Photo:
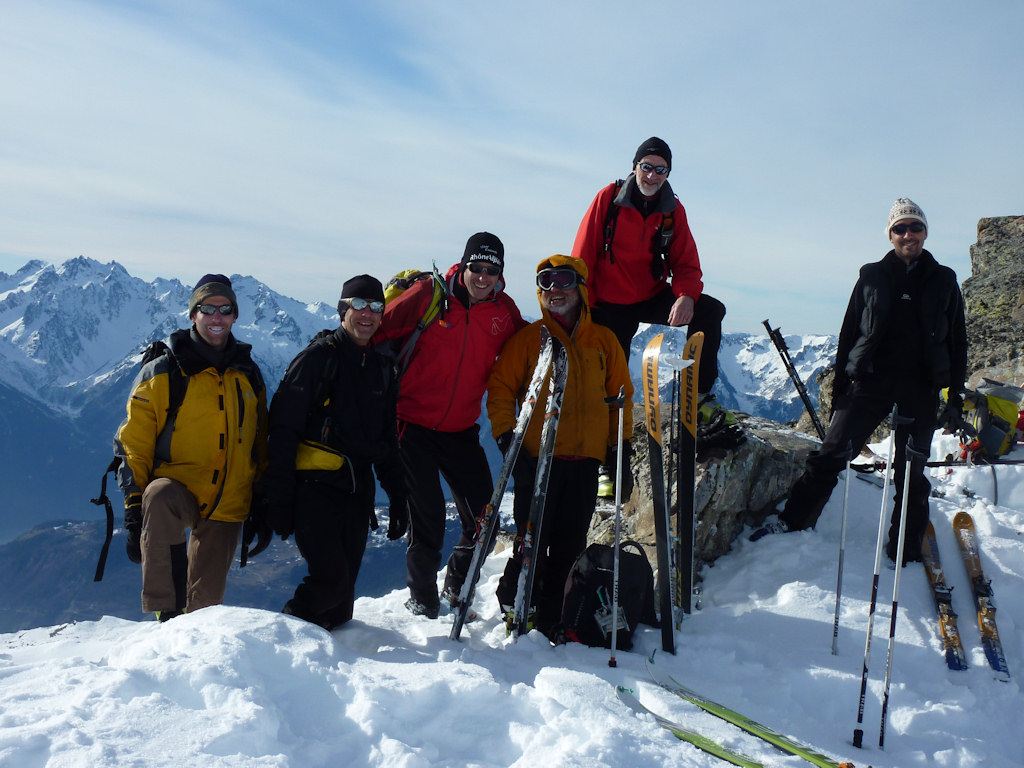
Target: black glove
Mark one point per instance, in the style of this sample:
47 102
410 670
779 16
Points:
133 527
504 441
281 518
951 415
256 527
398 516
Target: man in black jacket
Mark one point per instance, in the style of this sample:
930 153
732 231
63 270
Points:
903 339
331 421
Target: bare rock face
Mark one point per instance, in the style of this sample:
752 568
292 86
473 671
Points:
734 488
994 302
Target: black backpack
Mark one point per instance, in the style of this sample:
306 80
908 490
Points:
587 605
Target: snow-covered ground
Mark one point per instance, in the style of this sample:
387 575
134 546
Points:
240 687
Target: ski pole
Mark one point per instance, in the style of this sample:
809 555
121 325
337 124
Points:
858 732
775 334
911 454
842 552
621 399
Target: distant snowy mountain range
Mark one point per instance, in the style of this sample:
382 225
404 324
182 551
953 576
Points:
71 336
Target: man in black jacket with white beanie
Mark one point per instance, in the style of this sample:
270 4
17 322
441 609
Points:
903 339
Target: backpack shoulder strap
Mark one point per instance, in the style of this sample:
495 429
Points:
610 217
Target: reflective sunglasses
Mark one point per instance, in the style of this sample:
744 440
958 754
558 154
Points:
916 227
212 309
661 170
360 304
478 267
562 279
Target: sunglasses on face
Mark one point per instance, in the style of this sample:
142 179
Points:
478 267
212 309
915 227
661 170
360 304
562 279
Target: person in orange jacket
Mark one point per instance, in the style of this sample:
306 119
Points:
587 431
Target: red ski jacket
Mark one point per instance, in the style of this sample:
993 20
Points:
443 386
624 276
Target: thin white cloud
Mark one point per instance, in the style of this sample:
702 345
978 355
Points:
302 145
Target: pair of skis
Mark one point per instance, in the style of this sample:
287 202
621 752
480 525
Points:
669 683
981 591
675 563
490 518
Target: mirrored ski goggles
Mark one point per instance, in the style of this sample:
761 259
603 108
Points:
915 226
563 279
478 267
360 304
212 309
661 170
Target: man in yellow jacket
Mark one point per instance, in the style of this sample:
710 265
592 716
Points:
587 431
191 446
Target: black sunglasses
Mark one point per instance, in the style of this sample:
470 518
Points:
478 267
915 227
661 170
212 309
360 304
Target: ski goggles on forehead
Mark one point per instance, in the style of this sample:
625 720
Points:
212 309
562 279
360 304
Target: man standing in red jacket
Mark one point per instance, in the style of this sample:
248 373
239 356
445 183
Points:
644 267
439 402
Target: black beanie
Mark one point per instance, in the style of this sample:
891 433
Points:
211 285
360 287
653 146
483 246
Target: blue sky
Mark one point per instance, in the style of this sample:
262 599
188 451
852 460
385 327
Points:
303 143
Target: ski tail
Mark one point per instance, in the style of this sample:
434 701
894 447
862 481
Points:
489 518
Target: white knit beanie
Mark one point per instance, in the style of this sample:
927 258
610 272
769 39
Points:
905 208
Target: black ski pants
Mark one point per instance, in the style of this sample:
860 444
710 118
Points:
427 456
856 416
331 526
571 497
708 313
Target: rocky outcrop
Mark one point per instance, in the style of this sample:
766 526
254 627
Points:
994 302
733 489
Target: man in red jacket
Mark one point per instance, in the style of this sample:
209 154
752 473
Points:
439 403
643 263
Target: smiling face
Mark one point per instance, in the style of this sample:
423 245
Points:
650 181
214 329
564 303
909 244
361 324
479 283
